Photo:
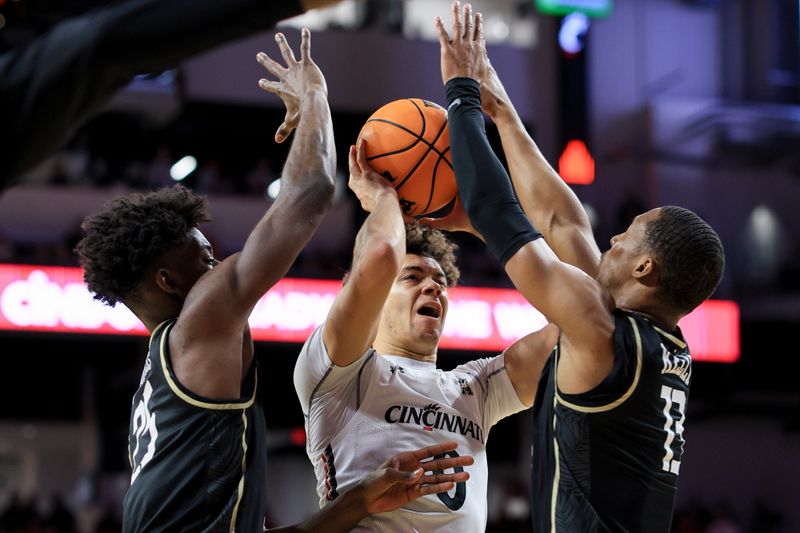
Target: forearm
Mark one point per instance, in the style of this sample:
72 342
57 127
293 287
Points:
339 516
52 85
543 195
308 175
383 229
305 196
483 184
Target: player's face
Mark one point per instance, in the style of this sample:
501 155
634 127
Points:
416 307
619 261
189 261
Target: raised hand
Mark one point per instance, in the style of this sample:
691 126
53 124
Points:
494 98
406 477
367 184
463 53
295 81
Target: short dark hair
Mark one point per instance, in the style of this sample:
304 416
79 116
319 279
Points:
429 242
690 256
121 242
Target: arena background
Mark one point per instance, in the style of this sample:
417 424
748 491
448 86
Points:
695 103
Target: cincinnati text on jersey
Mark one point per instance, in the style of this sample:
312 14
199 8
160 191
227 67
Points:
430 417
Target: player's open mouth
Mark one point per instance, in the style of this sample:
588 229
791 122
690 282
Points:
430 310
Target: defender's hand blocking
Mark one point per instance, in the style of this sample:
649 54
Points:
494 98
296 81
400 479
462 55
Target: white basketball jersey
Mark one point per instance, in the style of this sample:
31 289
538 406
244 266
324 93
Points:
360 415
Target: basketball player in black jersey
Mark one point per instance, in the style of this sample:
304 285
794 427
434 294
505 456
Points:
197 432
50 86
610 405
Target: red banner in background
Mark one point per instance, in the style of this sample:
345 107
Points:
55 299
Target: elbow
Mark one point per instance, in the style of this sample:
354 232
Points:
317 198
386 255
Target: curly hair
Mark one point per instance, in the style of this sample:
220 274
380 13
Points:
690 254
121 242
429 242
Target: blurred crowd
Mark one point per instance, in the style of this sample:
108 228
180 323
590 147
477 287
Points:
52 515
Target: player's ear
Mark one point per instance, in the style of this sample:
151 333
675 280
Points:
646 271
166 282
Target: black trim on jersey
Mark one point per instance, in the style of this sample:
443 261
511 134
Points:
621 381
157 331
358 379
330 474
319 384
245 401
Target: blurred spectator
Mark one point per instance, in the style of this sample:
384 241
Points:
723 521
257 179
630 206
158 170
60 519
210 179
765 519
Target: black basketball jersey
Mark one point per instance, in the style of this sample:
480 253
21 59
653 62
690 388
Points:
608 459
197 464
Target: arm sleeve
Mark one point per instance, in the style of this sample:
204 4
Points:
483 183
50 86
499 397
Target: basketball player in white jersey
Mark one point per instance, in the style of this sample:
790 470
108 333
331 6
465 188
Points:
367 378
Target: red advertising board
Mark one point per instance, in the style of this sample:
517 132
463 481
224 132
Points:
55 299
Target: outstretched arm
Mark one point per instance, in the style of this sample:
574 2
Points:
378 254
218 306
566 295
550 204
58 81
402 478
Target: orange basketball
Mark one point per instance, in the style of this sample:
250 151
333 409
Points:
408 143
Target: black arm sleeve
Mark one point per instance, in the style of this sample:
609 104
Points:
483 184
50 86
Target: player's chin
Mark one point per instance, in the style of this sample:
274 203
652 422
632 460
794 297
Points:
429 330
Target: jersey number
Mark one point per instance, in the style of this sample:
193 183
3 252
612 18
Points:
144 422
674 440
454 503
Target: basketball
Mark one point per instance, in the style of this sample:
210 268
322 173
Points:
408 143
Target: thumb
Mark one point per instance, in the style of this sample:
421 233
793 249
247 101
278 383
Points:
282 133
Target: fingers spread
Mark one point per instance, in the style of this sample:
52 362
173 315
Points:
270 86
457 32
432 479
436 449
286 51
448 462
444 39
436 488
271 65
282 133
305 45
479 27
469 23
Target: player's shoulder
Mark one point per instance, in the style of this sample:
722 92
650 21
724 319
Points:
645 331
480 367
